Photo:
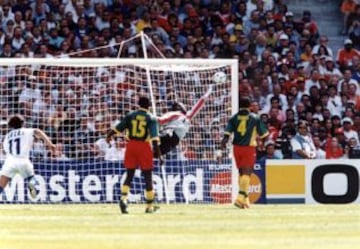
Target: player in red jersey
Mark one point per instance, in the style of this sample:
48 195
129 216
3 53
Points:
245 126
141 127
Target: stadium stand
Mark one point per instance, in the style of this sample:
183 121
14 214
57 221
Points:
285 49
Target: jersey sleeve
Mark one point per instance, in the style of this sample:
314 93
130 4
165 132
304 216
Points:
262 130
153 128
196 108
199 104
6 144
230 128
121 126
168 117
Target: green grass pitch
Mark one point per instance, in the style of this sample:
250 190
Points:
101 226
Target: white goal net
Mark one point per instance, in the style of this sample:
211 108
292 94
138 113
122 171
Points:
76 101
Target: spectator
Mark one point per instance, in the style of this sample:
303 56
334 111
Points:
352 149
311 26
269 151
345 55
143 21
330 70
113 152
281 98
17 40
7 51
348 80
26 51
301 90
43 52
283 148
252 22
313 80
55 41
336 122
6 13
275 111
323 45
282 45
351 93
302 145
333 149
356 120
39 12
354 27
307 54
348 131
254 107
61 154
334 101
320 153
356 68
347 7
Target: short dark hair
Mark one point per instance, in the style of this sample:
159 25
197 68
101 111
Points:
16 122
178 106
302 122
275 98
244 102
144 102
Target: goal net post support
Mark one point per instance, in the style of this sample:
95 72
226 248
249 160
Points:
75 101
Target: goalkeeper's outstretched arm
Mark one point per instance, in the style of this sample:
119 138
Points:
199 104
171 116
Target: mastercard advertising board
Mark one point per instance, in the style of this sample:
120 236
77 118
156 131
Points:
257 191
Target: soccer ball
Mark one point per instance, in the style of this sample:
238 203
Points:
219 77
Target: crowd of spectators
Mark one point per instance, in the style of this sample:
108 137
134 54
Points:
286 66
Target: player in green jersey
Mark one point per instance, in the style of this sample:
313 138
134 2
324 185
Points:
245 127
141 127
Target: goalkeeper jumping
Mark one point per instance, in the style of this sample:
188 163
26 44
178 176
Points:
176 123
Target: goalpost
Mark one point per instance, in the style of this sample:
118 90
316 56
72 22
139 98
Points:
76 101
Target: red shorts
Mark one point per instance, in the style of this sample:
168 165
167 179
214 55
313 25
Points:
245 156
138 154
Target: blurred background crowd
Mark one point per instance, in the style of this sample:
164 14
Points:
286 65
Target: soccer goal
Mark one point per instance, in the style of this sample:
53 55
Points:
76 101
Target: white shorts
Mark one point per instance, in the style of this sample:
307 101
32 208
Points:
15 165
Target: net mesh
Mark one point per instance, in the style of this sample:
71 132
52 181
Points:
75 105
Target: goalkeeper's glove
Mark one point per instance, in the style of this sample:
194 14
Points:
224 142
157 151
209 91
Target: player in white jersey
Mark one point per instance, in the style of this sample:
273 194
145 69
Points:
176 123
17 145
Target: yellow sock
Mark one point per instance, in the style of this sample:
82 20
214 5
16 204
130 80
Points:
149 195
244 186
125 189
